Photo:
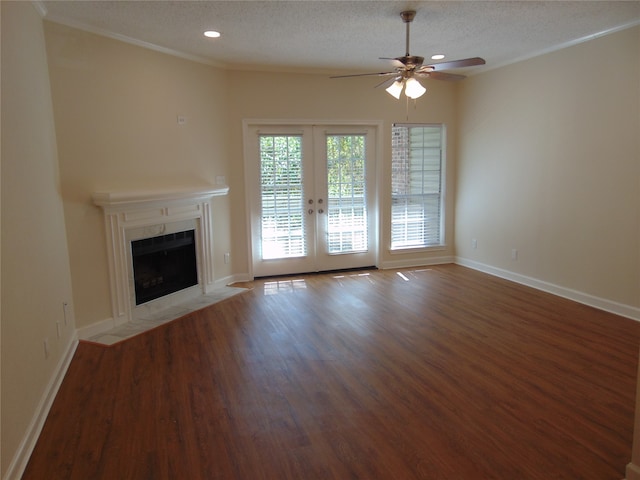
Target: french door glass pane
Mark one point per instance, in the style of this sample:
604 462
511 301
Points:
282 216
346 190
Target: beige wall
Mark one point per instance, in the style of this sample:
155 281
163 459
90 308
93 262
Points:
317 97
549 164
116 108
35 263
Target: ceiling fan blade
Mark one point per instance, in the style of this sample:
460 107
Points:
397 61
387 82
449 77
379 74
466 62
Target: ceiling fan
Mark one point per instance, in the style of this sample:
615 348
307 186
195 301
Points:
409 68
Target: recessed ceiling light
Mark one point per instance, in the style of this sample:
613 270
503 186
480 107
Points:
439 56
211 34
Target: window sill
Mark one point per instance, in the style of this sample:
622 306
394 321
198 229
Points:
409 250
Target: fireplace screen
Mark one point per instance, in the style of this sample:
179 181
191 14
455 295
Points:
164 265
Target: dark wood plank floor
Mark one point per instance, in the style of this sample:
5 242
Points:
439 373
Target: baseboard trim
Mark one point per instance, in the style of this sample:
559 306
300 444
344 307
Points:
231 279
575 295
632 472
21 458
97 328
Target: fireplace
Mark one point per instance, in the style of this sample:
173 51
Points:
159 248
163 265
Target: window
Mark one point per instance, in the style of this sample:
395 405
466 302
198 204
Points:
417 163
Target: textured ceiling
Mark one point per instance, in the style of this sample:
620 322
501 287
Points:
338 36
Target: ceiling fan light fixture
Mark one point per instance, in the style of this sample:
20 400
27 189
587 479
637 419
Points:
395 89
413 89
407 67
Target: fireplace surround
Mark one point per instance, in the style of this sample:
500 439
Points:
143 215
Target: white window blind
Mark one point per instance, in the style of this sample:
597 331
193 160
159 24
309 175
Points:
347 196
283 219
416 200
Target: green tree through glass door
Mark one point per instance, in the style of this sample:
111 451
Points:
347 227
282 219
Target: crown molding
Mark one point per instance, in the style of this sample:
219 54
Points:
40 8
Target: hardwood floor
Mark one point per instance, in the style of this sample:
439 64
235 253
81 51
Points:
439 373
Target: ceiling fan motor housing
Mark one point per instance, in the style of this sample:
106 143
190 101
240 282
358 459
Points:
411 60
408 16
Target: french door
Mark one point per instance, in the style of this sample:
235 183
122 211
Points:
311 197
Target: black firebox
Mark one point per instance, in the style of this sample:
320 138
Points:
164 265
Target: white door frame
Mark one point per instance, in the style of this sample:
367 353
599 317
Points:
250 124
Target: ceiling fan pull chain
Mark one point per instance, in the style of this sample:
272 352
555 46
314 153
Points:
407 107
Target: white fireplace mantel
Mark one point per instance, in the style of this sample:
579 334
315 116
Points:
127 213
126 201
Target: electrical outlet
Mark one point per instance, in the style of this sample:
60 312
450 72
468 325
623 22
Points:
227 257
514 254
182 120
474 243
